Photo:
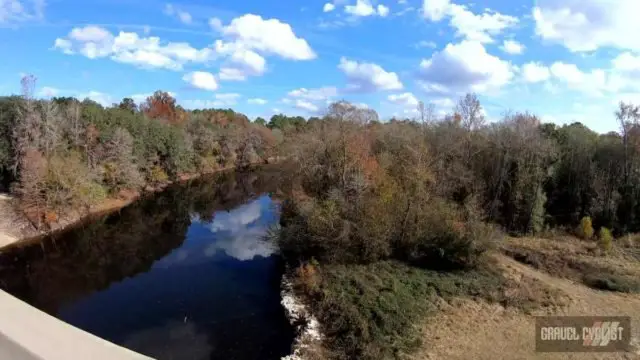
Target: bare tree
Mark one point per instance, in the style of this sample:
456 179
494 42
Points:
470 111
627 116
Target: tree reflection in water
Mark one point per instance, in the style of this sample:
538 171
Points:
182 269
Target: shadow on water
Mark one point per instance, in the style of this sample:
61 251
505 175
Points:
183 274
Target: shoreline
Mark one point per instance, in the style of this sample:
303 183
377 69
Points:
27 234
308 329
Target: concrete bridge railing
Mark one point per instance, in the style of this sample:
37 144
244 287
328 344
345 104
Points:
27 333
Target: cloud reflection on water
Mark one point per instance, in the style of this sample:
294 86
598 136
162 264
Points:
237 233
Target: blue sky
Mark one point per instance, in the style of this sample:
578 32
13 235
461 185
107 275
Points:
564 60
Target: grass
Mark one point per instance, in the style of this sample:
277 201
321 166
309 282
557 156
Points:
578 260
612 282
375 311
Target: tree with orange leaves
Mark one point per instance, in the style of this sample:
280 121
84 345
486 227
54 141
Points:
161 105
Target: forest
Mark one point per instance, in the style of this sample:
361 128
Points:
407 205
66 153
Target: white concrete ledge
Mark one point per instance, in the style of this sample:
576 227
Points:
27 333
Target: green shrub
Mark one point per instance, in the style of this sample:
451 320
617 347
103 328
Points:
612 282
453 245
605 239
157 175
374 311
585 229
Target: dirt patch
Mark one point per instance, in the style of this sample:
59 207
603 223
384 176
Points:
477 330
578 260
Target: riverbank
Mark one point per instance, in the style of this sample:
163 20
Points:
16 229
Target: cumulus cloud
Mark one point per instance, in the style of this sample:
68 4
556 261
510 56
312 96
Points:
593 82
463 67
328 7
270 36
535 72
322 93
586 25
478 27
467 24
241 62
245 42
435 10
128 47
226 99
232 74
364 8
306 105
364 77
512 47
383 11
181 15
16 11
406 99
257 101
201 80
249 38
627 63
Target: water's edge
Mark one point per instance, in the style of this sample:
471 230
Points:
77 217
308 332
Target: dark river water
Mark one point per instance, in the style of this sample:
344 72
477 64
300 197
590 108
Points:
184 274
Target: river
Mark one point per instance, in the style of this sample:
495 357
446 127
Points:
183 274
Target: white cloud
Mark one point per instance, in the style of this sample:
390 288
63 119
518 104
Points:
314 94
240 233
534 72
463 67
627 62
306 105
426 44
586 25
47 91
257 101
128 47
201 80
368 76
467 24
270 36
479 27
181 15
231 74
443 103
227 99
406 99
15 11
364 8
383 11
215 24
328 7
249 38
97 96
512 47
361 8
435 10
593 82
241 62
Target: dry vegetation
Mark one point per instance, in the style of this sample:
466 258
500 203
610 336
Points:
388 220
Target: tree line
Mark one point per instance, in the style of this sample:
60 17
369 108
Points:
377 206
65 153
